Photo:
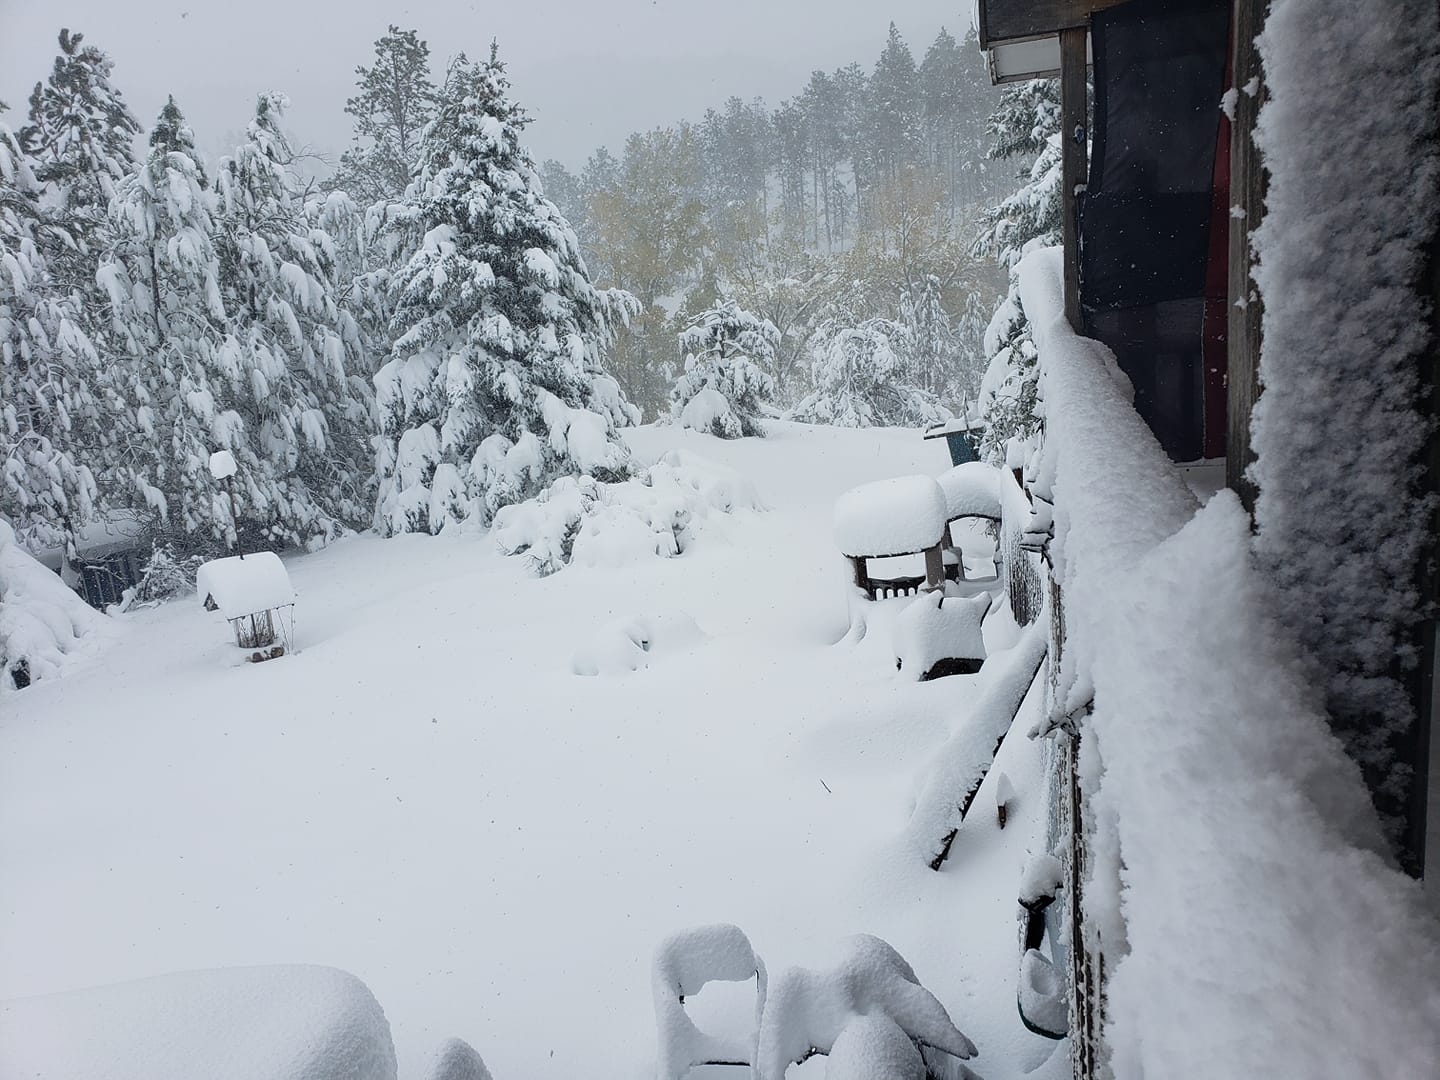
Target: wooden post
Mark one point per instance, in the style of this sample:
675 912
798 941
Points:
1247 193
1074 136
934 567
862 575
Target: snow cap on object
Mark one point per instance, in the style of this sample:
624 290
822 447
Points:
933 628
455 1059
243 585
874 1048
971 488
890 517
222 464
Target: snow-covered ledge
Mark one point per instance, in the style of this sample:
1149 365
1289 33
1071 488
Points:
1247 924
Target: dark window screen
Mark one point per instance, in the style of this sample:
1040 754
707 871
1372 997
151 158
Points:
1145 234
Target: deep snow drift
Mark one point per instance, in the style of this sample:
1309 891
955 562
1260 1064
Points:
428 795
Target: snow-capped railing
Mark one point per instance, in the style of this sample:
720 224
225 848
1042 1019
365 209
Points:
1223 858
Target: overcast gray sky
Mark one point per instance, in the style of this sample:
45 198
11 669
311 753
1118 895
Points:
590 71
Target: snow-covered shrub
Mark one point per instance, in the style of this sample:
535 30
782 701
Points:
41 621
864 377
594 523
165 576
809 1010
729 353
683 964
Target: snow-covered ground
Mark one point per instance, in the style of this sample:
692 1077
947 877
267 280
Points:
426 794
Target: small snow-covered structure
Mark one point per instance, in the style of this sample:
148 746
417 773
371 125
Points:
962 437
254 594
901 516
280 1023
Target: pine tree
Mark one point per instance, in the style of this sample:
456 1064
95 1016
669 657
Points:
309 418
893 121
396 100
728 355
79 138
179 377
50 417
494 387
1026 125
937 353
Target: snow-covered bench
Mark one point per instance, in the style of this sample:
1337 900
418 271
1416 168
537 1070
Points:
891 518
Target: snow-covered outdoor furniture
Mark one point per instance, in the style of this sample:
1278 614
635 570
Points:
41 621
937 636
244 1023
684 962
890 518
972 490
254 593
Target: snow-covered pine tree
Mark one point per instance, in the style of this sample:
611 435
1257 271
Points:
729 353
79 138
395 100
50 420
863 377
180 381
309 419
935 348
495 386
1026 125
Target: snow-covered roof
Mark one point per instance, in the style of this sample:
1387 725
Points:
245 584
956 425
890 517
971 489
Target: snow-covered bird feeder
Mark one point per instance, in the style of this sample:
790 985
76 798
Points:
962 437
889 518
254 593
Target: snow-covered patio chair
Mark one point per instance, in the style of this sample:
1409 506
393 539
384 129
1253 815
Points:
972 491
888 519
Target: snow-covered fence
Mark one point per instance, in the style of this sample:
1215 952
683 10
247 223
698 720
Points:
1207 771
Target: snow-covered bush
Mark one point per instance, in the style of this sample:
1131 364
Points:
729 353
41 621
165 576
863 377
609 524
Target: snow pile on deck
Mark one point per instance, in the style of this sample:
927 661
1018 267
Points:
890 517
1340 254
279 1023
243 585
592 523
41 621
971 489
1210 775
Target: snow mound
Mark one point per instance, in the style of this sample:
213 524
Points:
709 411
626 645
933 628
683 964
41 621
971 489
809 1009
874 1048
244 584
583 520
890 517
455 1059
279 1023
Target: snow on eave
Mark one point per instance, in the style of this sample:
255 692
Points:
243 585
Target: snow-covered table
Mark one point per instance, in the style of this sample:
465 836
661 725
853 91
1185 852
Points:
902 516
